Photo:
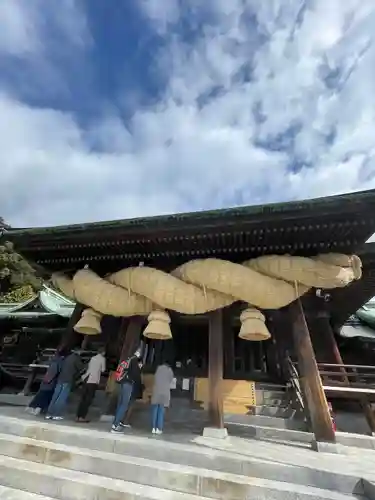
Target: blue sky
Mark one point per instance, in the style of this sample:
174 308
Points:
122 108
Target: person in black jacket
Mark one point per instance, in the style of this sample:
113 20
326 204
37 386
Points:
70 371
127 375
137 393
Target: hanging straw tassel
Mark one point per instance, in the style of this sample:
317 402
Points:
158 326
89 324
253 325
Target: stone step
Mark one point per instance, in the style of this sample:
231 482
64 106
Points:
13 494
270 433
266 397
267 421
243 430
275 411
156 473
64 484
270 393
15 399
280 403
287 435
104 453
269 386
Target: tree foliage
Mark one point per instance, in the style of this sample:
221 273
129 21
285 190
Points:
18 280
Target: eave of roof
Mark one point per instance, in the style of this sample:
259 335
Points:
357 330
292 208
337 223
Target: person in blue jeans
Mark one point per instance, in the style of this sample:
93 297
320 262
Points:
43 397
70 371
128 376
161 396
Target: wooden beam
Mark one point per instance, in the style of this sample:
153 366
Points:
368 412
323 339
85 342
132 336
29 382
278 323
71 338
133 329
333 347
215 369
228 343
316 401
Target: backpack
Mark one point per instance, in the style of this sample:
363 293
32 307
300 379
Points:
122 372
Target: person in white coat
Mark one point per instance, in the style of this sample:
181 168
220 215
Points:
161 396
91 378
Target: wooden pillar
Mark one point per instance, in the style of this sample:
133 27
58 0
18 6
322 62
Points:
310 379
279 326
334 351
228 344
70 337
133 327
274 370
132 337
215 369
29 382
85 342
369 414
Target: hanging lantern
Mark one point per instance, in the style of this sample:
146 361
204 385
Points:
89 324
158 327
253 326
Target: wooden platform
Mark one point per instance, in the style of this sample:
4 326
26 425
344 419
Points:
238 395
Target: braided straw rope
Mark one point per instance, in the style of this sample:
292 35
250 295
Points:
203 285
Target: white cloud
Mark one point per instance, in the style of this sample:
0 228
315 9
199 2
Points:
212 140
18 35
25 26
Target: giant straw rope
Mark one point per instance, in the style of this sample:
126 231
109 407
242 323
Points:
203 285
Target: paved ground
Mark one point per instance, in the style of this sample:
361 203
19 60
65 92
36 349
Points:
349 461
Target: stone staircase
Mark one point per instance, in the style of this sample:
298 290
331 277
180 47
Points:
276 419
69 462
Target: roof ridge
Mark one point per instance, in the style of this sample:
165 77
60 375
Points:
261 209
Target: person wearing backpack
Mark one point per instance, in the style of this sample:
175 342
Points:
43 397
137 393
128 373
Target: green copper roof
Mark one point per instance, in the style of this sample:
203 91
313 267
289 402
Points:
51 303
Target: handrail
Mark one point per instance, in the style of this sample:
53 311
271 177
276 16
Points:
347 374
350 376
293 377
338 365
348 381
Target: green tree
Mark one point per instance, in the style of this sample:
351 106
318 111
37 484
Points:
18 280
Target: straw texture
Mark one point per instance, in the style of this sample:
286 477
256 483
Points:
202 285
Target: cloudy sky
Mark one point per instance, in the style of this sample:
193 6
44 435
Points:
123 108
